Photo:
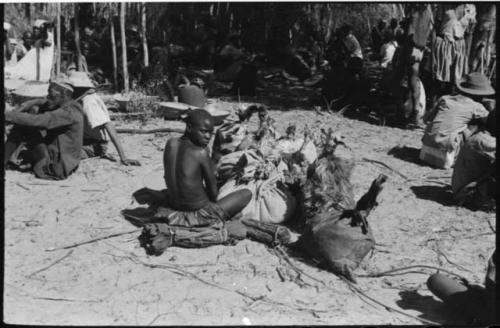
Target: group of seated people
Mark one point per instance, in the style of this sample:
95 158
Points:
53 134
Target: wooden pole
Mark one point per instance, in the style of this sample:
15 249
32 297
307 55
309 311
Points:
113 48
124 47
58 31
143 34
77 40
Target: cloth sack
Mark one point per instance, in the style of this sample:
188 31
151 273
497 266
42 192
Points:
271 201
330 238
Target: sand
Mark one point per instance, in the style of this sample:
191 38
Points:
113 281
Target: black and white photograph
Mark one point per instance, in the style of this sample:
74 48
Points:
249 163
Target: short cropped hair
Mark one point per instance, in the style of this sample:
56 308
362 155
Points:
194 117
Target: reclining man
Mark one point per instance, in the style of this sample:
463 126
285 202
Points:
190 178
98 128
54 135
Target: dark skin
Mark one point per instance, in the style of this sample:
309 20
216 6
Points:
39 152
189 171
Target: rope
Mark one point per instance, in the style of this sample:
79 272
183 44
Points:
386 273
388 308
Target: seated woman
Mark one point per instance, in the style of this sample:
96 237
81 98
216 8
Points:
98 128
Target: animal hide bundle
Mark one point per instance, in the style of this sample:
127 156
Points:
340 239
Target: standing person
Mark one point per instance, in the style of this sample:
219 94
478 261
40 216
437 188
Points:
351 45
418 28
378 35
54 135
98 128
449 57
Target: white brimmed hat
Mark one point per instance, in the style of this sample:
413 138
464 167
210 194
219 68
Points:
80 80
39 22
6 26
475 84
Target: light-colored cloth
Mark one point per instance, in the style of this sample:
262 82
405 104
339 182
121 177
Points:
448 119
449 51
353 46
26 68
231 52
387 53
449 60
96 115
474 159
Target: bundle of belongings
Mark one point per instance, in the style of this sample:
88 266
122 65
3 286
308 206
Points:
452 121
336 233
257 161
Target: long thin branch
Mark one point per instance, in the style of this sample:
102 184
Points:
141 131
387 166
52 264
51 249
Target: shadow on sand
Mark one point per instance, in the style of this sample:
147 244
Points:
440 194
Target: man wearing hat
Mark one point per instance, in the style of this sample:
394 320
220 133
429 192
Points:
98 128
454 118
54 135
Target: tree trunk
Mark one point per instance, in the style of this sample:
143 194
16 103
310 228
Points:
113 49
124 47
77 40
27 12
58 31
143 34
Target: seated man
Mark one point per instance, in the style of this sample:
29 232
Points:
97 124
54 136
190 178
449 121
473 181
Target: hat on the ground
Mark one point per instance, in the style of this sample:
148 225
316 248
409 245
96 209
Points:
80 80
475 84
39 23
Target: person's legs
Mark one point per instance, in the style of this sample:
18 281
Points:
235 202
16 136
414 90
41 159
19 135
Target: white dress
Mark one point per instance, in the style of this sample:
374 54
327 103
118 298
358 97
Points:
26 68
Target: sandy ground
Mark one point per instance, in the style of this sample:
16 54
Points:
113 282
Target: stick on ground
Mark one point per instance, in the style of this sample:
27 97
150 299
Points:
52 264
51 249
387 166
141 131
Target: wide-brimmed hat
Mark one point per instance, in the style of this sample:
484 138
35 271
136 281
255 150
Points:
39 23
80 80
475 84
